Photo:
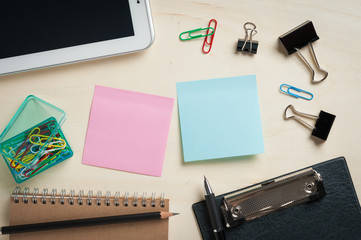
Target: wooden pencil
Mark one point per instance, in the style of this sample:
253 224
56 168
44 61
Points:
85 222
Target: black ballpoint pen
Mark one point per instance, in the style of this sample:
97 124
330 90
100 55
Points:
213 211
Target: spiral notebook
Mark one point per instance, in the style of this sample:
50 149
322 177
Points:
32 207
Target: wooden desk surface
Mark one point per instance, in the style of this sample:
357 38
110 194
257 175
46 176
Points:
288 145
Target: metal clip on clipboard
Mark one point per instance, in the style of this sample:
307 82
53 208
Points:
271 196
299 37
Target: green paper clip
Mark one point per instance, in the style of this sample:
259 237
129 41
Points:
196 36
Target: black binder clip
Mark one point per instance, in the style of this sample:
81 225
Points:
323 123
248 44
299 37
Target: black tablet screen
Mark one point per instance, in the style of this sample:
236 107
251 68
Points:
40 25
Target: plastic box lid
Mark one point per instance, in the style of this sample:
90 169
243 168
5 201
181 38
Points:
31 113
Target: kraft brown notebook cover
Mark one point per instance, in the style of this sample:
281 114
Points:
52 210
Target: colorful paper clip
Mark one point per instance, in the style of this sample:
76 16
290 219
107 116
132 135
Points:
190 36
208 40
35 150
289 87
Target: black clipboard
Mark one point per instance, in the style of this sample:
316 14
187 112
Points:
336 216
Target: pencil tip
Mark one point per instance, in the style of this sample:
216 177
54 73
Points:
175 214
205 177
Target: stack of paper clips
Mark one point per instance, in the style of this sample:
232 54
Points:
32 151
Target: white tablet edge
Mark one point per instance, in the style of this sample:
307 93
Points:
142 39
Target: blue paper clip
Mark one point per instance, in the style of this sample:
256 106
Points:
288 87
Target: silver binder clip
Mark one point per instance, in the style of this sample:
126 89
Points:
299 37
323 124
248 44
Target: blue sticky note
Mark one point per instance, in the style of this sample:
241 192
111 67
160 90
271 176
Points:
220 118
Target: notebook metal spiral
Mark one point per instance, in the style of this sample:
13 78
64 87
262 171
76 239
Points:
99 198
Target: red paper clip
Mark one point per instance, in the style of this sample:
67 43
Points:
206 43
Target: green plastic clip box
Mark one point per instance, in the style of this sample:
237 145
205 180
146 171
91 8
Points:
33 141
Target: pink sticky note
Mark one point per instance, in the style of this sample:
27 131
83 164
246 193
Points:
128 131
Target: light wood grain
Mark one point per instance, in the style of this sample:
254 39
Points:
287 144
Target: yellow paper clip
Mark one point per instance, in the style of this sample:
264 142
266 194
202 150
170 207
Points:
41 139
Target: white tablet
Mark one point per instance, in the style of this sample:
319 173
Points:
43 33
